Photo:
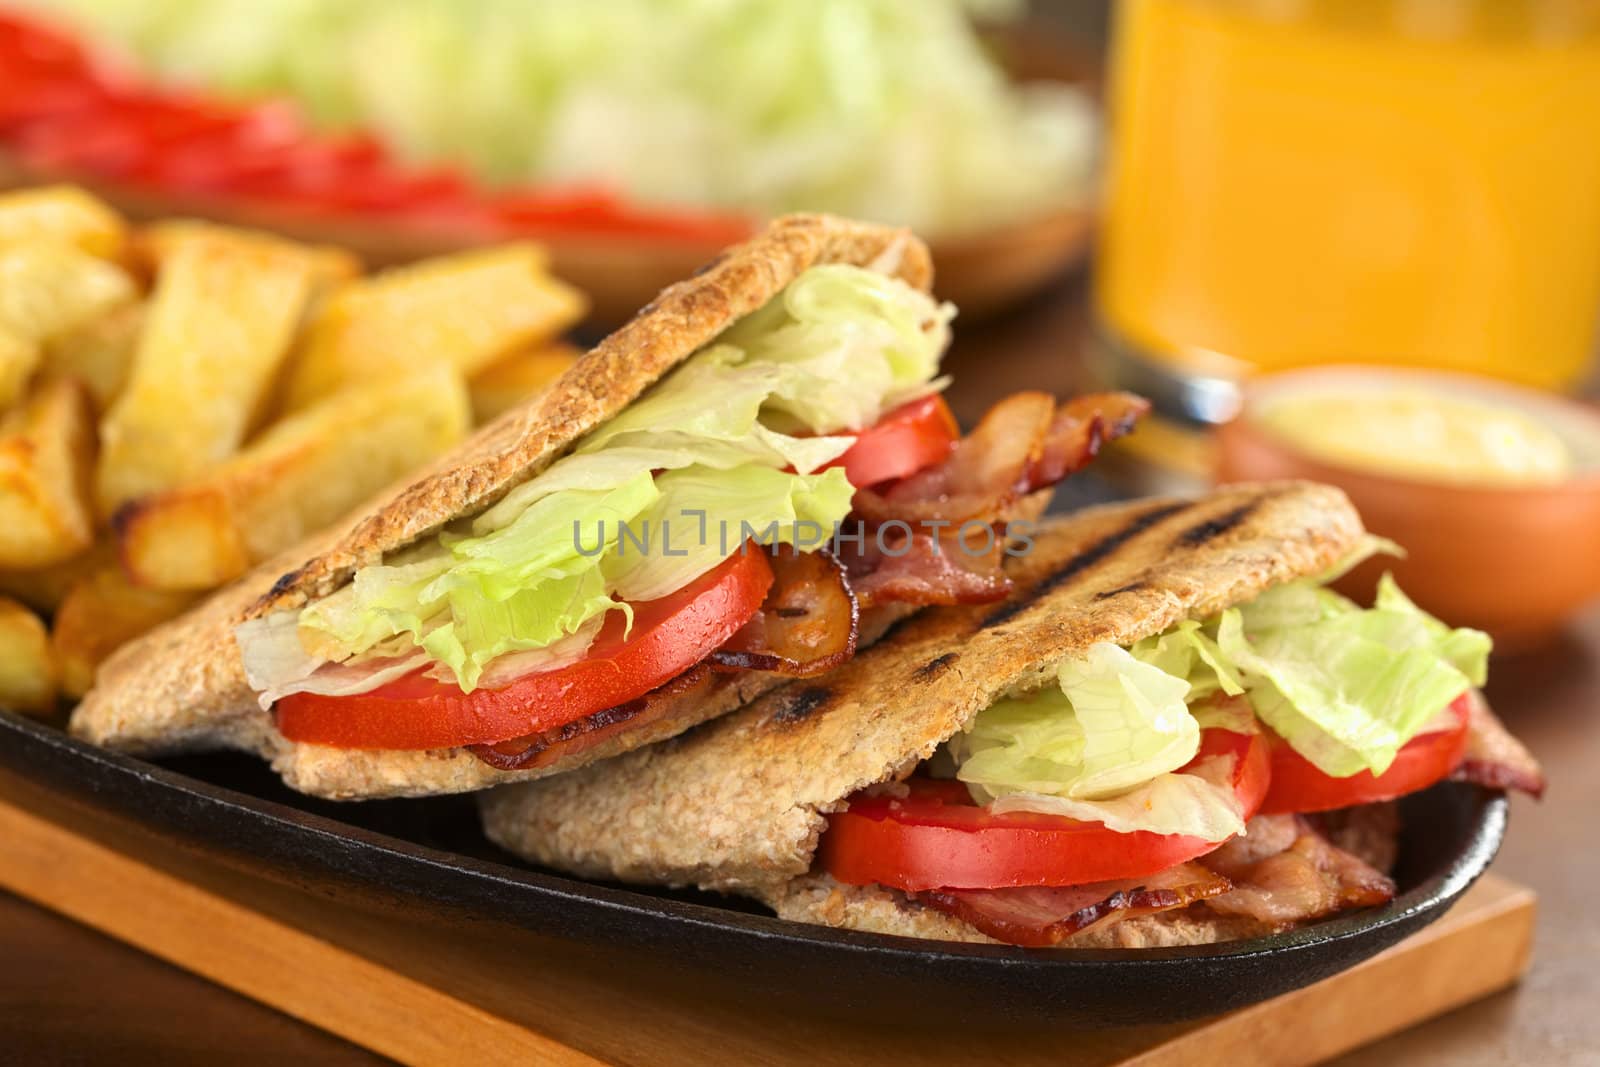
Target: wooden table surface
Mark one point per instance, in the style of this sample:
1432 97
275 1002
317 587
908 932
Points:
68 995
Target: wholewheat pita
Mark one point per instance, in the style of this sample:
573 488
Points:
739 804
182 686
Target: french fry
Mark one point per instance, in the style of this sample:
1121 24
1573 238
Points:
160 241
98 353
224 312
467 310
44 588
46 453
64 214
297 477
28 674
516 378
48 289
19 356
101 611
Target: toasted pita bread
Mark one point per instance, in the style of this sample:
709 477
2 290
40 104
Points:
182 686
739 804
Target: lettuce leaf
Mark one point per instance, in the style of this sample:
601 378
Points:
1348 687
704 514
1101 745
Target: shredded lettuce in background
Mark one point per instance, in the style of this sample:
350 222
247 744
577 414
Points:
691 462
1346 687
882 109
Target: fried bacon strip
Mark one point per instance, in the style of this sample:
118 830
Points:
1044 916
1279 873
1494 758
1025 442
1284 872
921 569
808 624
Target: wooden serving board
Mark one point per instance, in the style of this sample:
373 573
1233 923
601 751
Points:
427 996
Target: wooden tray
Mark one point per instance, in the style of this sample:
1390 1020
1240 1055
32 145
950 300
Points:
428 996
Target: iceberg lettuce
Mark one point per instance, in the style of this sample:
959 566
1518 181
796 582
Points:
1347 687
882 109
1101 745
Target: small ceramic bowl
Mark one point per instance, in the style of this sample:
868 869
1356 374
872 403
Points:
1516 561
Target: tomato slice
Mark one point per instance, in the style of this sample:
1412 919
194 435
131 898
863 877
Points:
910 438
669 635
1298 786
936 838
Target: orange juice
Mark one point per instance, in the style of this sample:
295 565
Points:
1390 181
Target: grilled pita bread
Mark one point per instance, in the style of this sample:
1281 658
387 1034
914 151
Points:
739 804
182 686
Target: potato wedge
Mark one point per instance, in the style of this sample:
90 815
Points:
28 674
517 378
297 477
160 241
101 611
65 214
224 312
44 588
46 454
467 310
98 353
49 289
19 358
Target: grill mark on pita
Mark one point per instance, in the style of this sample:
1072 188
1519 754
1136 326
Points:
1200 533
800 705
1131 587
1096 553
284 584
935 667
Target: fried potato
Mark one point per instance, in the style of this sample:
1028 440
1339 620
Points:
28 675
64 214
46 453
19 356
467 310
518 377
224 312
48 289
44 588
159 241
297 477
101 611
98 353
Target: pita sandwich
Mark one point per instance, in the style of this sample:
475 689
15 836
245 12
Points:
778 799
264 665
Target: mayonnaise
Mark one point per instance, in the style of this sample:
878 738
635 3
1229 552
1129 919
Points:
1430 436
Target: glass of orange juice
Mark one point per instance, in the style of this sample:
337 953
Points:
1411 182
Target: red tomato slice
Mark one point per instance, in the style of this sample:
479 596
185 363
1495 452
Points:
669 636
908 439
1298 786
938 839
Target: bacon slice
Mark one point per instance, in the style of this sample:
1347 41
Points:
921 569
1494 758
1025 442
1044 916
808 623
580 735
1284 873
